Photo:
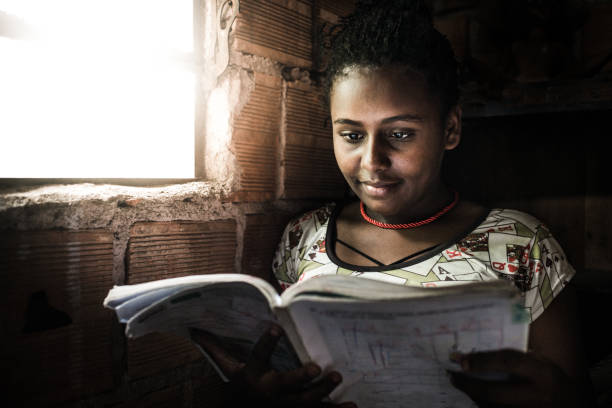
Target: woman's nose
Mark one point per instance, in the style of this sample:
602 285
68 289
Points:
375 156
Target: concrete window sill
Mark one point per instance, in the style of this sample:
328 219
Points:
87 205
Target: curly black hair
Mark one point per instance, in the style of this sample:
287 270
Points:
393 32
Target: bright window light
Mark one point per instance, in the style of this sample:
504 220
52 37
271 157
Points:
96 89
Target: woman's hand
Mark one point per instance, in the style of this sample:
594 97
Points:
533 381
254 381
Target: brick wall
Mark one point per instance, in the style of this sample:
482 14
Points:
60 253
56 338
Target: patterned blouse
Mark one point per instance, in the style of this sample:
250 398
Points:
505 244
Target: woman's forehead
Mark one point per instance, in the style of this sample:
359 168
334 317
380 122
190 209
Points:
381 91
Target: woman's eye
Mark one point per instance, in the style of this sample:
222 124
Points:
352 137
402 135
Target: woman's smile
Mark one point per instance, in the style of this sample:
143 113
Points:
379 189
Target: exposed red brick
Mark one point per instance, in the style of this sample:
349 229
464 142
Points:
249 196
158 352
330 13
280 30
310 166
159 250
261 237
255 139
48 279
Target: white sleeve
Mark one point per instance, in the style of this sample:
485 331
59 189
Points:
550 269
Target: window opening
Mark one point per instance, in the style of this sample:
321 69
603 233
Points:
97 89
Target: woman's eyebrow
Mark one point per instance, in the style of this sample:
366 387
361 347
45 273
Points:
408 117
342 121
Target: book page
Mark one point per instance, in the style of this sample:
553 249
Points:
123 293
395 353
370 289
134 304
238 313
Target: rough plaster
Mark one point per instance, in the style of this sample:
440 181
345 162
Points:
233 89
112 207
282 143
255 63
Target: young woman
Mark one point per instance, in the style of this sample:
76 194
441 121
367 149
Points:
393 101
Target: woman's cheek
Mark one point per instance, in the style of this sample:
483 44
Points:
349 170
345 160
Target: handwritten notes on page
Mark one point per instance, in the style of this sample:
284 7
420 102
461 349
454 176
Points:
395 354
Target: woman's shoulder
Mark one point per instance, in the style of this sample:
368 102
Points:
315 217
309 224
511 221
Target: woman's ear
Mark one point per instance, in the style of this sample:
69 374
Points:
452 130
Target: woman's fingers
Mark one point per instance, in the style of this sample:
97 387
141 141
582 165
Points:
320 389
295 380
211 345
260 381
504 361
530 380
259 360
493 392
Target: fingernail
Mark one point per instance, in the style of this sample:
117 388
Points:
313 370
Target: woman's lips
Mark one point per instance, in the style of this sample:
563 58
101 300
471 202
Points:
378 189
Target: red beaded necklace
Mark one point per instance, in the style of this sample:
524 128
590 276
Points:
410 224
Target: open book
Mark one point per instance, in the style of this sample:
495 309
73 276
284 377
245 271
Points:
391 343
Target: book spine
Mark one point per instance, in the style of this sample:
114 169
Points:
285 320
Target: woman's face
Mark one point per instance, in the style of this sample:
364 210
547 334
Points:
389 139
